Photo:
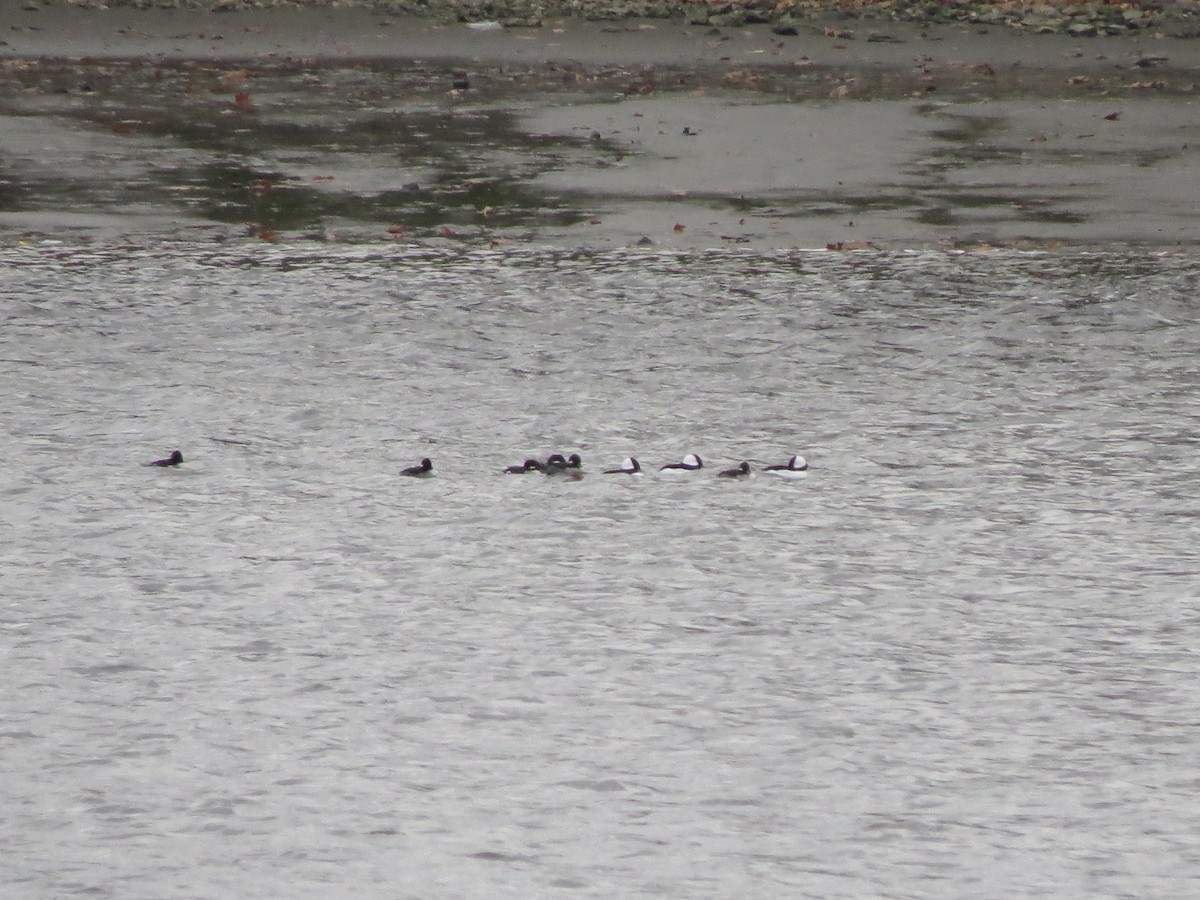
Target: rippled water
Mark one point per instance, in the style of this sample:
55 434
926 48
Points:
959 660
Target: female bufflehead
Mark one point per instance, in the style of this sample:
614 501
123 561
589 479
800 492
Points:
173 460
424 470
691 463
530 465
572 466
630 466
743 469
796 467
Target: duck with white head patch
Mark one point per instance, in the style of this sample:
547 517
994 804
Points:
629 466
796 467
690 463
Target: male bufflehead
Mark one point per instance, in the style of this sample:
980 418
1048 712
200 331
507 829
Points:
691 463
572 466
630 466
796 467
424 470
743 469
530 465
173 460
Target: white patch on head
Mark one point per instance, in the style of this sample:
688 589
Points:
693 461
797 467
628 464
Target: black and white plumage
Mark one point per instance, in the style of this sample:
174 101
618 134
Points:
690 463
629 466
796 467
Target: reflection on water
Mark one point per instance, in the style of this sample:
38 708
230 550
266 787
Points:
280 146
566 152
956 661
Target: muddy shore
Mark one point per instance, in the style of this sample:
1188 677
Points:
351 124
1079 18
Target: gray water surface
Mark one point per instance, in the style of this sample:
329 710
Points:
957 661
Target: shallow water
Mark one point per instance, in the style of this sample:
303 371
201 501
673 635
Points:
958 660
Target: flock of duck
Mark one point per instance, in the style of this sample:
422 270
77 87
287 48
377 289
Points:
571 466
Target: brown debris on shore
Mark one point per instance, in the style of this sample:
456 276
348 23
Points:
1080 18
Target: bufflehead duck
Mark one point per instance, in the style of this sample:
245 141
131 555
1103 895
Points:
530 465
572 466
797 467
424 470
173 460
743 469
690 463
629 466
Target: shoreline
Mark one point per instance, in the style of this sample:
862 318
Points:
1077 18
339 124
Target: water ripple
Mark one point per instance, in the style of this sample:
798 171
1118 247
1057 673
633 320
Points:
955 661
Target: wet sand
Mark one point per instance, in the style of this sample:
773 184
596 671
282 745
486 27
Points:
344 124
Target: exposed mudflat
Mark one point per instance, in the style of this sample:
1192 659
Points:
348 125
